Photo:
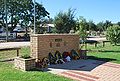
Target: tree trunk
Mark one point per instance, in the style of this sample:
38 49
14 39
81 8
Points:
26 30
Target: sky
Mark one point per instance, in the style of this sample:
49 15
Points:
95 10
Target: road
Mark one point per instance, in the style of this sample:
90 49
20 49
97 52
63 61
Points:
22 44
14 44
97 39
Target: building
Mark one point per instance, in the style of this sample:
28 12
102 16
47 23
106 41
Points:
48 27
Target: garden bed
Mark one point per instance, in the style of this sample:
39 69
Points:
24 64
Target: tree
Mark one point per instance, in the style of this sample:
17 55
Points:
21 12
83 26
64 21
27 18
118 23
100 26
82 31
107 24
48 21
82 22
2 13
92 26
113 34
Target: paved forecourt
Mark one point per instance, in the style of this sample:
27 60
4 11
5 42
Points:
88 70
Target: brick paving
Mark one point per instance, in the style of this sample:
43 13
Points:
88 70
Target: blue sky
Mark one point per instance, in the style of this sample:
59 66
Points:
96 10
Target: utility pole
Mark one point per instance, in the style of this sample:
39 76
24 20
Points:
34 19
6 20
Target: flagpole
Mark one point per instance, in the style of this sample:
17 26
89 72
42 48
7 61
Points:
6 20
34 18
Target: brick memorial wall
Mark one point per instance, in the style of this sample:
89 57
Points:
42 44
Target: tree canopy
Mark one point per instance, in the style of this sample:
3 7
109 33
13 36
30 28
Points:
113 34
64 21
83 26
21 12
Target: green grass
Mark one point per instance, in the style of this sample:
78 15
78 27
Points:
13 53
9 73
108 53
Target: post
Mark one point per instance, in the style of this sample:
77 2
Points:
6 20
103 43
34 18
17 52
95 44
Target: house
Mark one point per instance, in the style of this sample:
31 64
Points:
19 29
48 27
12 35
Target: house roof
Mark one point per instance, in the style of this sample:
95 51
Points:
49 25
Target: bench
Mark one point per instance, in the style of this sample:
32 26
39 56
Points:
90 42
105 42
7 49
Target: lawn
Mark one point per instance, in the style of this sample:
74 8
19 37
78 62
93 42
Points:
106 53
9 73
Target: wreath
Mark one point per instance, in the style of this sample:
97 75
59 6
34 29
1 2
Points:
51 58
65 55
58 55
74 55
56 58
42 63
59 59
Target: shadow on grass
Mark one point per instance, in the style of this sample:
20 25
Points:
40 69
101 59
116 45
109 51
104 51
7 60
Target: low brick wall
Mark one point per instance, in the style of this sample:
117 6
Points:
42 44
24 64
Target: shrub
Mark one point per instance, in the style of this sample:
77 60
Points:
25 56
113 34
